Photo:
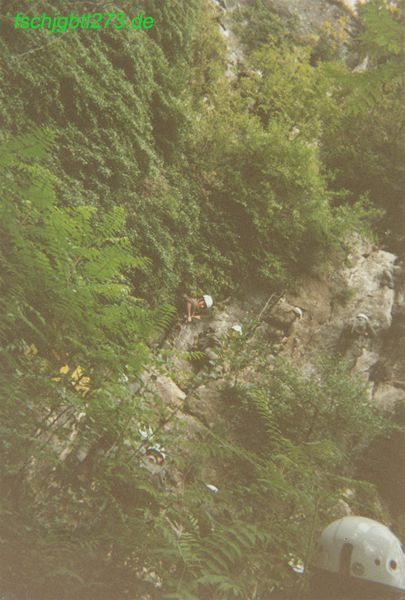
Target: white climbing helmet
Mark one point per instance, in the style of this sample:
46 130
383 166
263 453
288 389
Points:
298 311
237 329
208 300
362 316
362 548
212 488
157 452
153 459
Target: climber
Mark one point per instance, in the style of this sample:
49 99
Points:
155 455
195 305
298 314
356 559
361 325
209 342
153 461
282 320
356 335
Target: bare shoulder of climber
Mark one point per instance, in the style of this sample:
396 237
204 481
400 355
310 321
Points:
194 306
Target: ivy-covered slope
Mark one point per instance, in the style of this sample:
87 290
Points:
114 100
213 193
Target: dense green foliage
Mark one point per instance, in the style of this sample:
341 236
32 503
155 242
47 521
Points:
79 292
283 469
365 144
71 329
355 117
150 172
149 122
113 102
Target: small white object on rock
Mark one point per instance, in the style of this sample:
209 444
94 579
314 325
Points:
298 311
212 488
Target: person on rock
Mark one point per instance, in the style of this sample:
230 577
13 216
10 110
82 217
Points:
282 321
356 336
194 306
209 343
361 326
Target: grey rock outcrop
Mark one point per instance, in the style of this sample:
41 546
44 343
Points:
360 282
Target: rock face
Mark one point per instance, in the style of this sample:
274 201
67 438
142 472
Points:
352 3
313 16
234 50
361 283
169 392
388 395
371 273
364 285
203 403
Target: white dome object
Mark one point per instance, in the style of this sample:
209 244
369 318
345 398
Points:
208 300
211 487
298 311
362 548
237 328
156 448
